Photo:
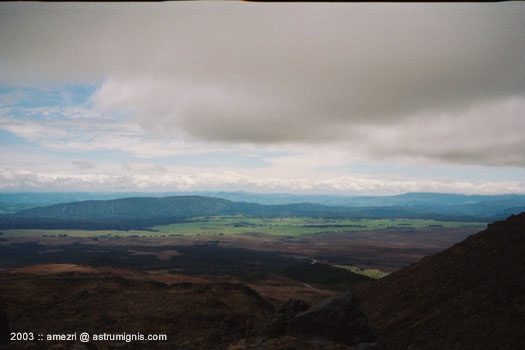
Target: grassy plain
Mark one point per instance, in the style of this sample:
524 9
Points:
233 225
297 226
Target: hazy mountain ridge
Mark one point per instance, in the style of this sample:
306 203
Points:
144 212
137 207
444 203
409 198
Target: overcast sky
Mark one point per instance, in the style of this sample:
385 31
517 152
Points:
301 98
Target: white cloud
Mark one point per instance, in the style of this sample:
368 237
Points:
82 129
180 179
29 129
143 168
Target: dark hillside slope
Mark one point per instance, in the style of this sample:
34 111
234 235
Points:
470 296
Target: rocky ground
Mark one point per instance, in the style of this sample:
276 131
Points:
196 315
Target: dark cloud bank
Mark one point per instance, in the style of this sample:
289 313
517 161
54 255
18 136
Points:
440 82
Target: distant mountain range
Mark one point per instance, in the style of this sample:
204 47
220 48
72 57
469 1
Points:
407 199
142 212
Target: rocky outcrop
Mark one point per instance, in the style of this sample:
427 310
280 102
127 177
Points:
338 318
215 316
278 326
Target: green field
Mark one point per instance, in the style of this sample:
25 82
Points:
372 273
232 225
228 225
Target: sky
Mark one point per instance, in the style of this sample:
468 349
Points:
364 99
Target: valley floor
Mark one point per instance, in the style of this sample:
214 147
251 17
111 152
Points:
205 291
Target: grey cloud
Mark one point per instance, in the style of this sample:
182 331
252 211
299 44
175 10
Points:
83 164
265 73
489 133
143 168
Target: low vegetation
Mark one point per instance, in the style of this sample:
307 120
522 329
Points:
233 225
372 273
296 226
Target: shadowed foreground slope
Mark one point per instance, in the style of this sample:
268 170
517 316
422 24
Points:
471 296
60 298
